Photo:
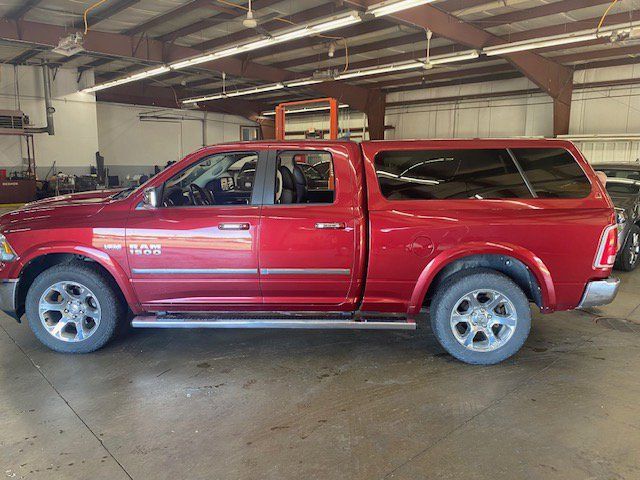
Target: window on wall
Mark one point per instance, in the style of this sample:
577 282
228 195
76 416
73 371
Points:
304 177
221 179
553 172
249 133
449 174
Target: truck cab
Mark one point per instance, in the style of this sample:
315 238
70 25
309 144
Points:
316 234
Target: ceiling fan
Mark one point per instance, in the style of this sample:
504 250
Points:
250 21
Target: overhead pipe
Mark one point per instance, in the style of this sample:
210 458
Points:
49 109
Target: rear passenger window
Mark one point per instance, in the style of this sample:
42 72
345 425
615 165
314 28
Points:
449 174
304 177
553 172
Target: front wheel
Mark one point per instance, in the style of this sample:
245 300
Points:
73 308
480 316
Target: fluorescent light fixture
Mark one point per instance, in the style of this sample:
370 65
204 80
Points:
390 68
236 93
305 110
394 67
303 82
393 6
454 57
193 61
538 43
250 91
131 78
611 31
324 25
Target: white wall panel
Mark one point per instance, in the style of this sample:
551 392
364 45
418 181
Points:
76 138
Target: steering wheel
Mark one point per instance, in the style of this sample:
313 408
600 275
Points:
205 199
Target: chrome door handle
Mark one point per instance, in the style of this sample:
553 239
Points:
331 226
233 226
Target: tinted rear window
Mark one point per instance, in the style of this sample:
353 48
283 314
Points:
449 174
553 172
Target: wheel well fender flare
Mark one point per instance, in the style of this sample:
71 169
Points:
112 267
535 265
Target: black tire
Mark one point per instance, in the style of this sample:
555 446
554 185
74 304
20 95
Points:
626 260
107 295
461 283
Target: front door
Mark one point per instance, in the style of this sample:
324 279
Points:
199 250
311 231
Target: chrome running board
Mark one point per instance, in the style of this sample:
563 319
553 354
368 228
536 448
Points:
173 321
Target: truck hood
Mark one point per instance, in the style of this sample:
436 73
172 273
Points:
83 204
96 196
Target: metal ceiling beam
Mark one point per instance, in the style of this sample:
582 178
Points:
484 74
614 62
106 12
140 94
614 51
457 5
569 27
196 27
411 56
412 39
150 50
553 78
168 16
70 58
299 17
21 10
444 75
145 50
24 56
99 62
456 81
218 18
347 32
561 6
508 93
545 10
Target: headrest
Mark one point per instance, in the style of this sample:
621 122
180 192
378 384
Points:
298 175
287 178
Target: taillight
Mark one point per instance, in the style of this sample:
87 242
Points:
608 248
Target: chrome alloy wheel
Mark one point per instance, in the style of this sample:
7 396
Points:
483 320
634 248
69 311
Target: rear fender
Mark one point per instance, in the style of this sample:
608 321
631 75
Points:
535 264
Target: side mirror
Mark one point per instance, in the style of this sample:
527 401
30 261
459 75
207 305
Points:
151 198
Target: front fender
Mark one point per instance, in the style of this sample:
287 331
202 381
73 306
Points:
100 257
533 262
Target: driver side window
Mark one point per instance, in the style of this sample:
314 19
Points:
220 179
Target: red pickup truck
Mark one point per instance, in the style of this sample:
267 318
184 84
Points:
315 234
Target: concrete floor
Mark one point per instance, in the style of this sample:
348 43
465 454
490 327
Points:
327 405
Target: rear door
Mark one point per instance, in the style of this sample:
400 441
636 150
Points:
312 229
199 250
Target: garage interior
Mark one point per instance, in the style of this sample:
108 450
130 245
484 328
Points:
105 94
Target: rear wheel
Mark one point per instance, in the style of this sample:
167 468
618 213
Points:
73 308
629 254
480 316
